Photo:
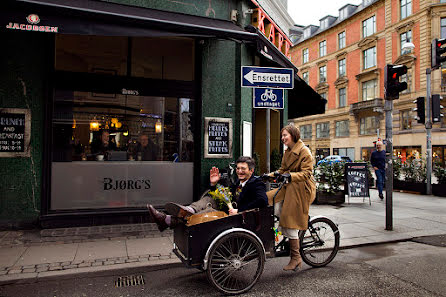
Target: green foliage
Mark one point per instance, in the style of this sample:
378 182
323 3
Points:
414 170
440 173
276 160
397 167
256 157
329 177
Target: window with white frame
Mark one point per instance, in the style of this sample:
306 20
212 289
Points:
406 8
405 37
369 57
342 128
369 27
323 74
342 97
305 77
368 125
406 120
305 56
341 40
341 68
306 131
369 90
322 48
323 130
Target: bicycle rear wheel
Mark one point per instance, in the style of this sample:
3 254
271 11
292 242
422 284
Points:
319 244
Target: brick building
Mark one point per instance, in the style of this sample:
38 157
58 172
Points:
343 60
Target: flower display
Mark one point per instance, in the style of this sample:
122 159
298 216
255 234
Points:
222 195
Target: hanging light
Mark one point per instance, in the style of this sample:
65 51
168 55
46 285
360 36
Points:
94 126
158 126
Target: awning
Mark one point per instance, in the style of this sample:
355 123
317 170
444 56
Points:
302 100
88 17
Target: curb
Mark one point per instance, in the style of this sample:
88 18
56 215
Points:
25 278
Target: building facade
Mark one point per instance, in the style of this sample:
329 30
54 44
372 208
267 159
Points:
344 60
106 106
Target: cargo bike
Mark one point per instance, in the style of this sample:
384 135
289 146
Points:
232 250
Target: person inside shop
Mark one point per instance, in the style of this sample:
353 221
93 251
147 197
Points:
145 150
378 161
248 191
103 145
294 199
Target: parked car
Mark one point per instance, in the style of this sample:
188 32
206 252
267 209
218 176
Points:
334 159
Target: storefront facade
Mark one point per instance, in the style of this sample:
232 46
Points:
118 96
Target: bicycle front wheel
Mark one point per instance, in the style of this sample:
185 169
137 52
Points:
319 244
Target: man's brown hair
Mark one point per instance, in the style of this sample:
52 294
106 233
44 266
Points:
248 160
293 130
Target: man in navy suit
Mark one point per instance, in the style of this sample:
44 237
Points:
249 192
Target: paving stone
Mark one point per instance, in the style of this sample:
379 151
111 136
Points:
42 269
164 257
97 264
145 259
66 263
42 265
55 268
15 271
69 266
29 266
119 261
3 272
109 262
131 260
55 264
29 270
85 264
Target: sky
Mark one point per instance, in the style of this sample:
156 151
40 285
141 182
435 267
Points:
309 12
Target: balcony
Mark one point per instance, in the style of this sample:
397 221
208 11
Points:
375 105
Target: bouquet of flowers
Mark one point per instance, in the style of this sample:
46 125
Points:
222 195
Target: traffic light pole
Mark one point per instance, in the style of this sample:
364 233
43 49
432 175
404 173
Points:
428 126
388 108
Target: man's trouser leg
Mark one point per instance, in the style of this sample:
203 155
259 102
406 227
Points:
205 204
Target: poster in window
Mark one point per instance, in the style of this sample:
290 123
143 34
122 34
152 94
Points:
15 128
218 138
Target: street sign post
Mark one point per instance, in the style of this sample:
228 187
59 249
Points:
268 98
266 77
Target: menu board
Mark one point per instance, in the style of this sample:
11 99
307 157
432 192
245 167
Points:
357 179
218 138
14 132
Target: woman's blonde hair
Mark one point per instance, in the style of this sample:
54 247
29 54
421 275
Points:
293 130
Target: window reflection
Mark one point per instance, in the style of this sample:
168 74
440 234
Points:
115 127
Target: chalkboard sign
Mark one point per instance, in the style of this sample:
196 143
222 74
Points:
14 132
218 138
357 180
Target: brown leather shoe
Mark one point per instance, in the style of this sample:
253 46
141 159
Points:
177 210
158 217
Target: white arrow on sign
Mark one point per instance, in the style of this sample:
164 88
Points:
260 77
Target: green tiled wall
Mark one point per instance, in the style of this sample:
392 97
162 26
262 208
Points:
21 86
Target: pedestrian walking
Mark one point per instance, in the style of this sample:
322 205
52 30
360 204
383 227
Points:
378 160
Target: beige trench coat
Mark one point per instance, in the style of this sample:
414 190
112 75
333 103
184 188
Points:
300 193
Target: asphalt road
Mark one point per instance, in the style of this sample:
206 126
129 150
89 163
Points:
398 269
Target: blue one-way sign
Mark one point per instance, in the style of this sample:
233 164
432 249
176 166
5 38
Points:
265 77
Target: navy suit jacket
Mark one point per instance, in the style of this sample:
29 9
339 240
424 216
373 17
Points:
253 195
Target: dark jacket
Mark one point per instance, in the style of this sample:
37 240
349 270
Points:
253 195
378 159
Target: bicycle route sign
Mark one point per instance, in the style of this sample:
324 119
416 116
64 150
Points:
268 98
267 77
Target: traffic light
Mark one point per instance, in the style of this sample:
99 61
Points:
420 110
436 108
437 52
392 84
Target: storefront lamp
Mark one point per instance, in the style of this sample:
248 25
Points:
158 126
94 126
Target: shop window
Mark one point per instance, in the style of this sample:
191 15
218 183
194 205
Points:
406 8
406 120
368 125
342 128
341 68
306 131
323 130
342 97
341 40
322 48
305 56
346 151
369 27
323 74
369 56
369 90
366 153
321 153
406 153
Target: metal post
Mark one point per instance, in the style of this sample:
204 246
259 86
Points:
389 165
428 125
268 141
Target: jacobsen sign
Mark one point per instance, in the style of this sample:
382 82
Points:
266 77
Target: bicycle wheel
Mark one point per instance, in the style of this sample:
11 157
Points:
319 244
236 262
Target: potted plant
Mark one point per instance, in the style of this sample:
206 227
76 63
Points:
330 179
439 189
413 176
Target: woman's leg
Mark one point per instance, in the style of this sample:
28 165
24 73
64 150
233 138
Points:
295 259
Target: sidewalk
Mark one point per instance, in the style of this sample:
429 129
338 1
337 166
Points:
31 255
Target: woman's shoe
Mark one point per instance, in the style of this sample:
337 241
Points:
295 260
